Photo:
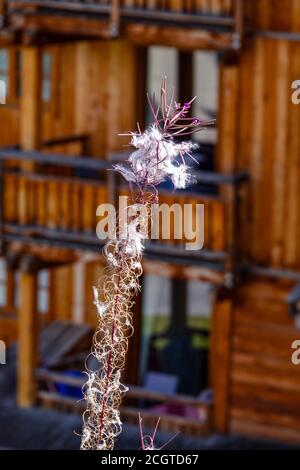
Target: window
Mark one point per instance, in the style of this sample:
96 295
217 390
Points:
10 75
205 80
4 75
46 74
162 62
42 294
43 291
175 334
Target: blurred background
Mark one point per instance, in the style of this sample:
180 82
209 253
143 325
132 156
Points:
214 329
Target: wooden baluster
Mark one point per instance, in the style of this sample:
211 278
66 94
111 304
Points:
227 6
76 207
42 197
23 201
217 226
129 3
32 202
176 5
87 208
206 6
152 4
53 202
65 205
10 198
199 6
216 7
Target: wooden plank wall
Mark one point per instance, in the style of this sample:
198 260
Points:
264 385
92 92
268 147
106 93
275 15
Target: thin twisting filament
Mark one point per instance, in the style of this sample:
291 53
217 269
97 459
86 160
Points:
154 161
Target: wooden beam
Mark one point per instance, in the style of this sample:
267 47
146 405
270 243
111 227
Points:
28 334
182 38
31 109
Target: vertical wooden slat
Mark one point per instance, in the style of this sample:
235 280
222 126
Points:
87 207
279 193
257 143
42 197
269 134
218 226
10 202
76 207
23 196
65 205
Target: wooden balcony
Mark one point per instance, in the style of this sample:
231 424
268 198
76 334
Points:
54 208
216 24
200 425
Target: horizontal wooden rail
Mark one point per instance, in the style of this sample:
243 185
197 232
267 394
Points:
200 424
131 8
69 161
133 392
222 14
168 422
89 163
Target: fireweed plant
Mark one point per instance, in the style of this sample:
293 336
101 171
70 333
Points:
154 161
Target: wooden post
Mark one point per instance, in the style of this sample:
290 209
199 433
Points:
220 361
115 18
31 109
227 153
30 121
28 333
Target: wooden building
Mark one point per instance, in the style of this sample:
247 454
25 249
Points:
76 76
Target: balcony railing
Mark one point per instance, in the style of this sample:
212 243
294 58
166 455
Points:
45 206
216 15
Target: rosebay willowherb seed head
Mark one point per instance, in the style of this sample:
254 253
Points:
158 148
154 160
